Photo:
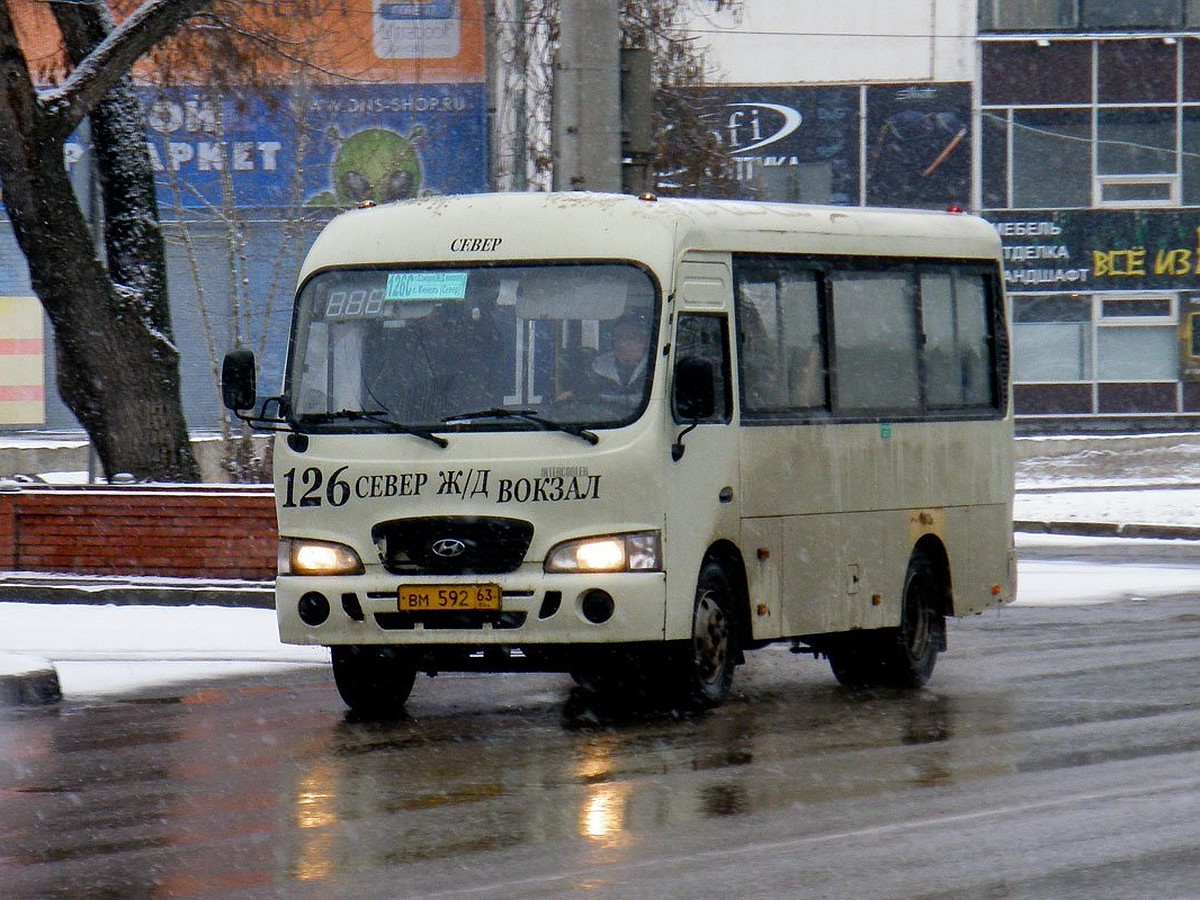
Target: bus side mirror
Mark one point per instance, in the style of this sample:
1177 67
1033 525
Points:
695 389
695 396
239 380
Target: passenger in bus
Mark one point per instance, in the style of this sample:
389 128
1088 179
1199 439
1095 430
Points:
623 368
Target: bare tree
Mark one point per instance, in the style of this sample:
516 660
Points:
118 366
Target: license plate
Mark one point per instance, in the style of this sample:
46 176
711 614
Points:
448 597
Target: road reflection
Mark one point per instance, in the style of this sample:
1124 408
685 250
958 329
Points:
445 786
251 787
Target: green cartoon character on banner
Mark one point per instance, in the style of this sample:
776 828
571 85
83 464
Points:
374 165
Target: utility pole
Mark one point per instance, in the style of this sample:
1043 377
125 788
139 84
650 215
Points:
637 120
586 114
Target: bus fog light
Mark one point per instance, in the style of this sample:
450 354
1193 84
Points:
598 606
313 608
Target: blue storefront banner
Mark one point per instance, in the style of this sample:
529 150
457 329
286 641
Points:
332 146
789 143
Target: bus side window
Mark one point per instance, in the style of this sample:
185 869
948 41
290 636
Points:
877 355
706 337
780 344
957 327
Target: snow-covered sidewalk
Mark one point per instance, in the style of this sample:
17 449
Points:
105 650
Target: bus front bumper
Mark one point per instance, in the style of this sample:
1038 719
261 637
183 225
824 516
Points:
535 609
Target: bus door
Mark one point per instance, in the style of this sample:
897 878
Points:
702 473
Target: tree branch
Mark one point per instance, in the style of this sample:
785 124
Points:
67 105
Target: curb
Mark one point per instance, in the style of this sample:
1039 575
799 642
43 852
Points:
1111 529
87 590
36 687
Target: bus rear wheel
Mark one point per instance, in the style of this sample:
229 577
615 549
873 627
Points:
901 657
909 658
374 681
707 665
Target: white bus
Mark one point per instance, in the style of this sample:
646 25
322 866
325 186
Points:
619 436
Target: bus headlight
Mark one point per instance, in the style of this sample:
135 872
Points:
298 556
635 552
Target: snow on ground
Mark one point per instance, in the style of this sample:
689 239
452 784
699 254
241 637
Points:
105 650
1043 582
1162 506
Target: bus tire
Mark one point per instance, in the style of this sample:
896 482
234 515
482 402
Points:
909 657
901 657
374 681
707 664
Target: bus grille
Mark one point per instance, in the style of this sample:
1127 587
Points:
453 545
462 621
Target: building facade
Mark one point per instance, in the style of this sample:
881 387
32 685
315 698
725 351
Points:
389 101
1082 146
1089 164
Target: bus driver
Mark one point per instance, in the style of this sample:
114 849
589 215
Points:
619 374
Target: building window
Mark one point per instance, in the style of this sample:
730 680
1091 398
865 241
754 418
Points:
1133 141
1123 14
1026 72
1051 158
1138 71
1137 190
1137 353
994 160
1064 15
1190 162
1052 338
1152 309
1027 15
1051 139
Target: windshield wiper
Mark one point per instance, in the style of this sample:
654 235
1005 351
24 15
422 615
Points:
377 416
527 415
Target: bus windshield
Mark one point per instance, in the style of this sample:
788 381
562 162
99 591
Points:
435 349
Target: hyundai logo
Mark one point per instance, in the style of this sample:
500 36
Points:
448 548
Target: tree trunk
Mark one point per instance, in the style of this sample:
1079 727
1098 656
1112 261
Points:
118 368
116 372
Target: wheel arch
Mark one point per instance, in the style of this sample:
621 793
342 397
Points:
726 555
931 548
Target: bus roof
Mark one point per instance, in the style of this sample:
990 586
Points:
482 228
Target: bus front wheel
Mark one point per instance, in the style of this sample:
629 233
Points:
374 681
707 664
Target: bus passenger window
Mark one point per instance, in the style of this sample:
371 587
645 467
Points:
875 342
954 312
780 345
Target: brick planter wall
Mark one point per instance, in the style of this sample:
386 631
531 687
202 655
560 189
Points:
178 531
